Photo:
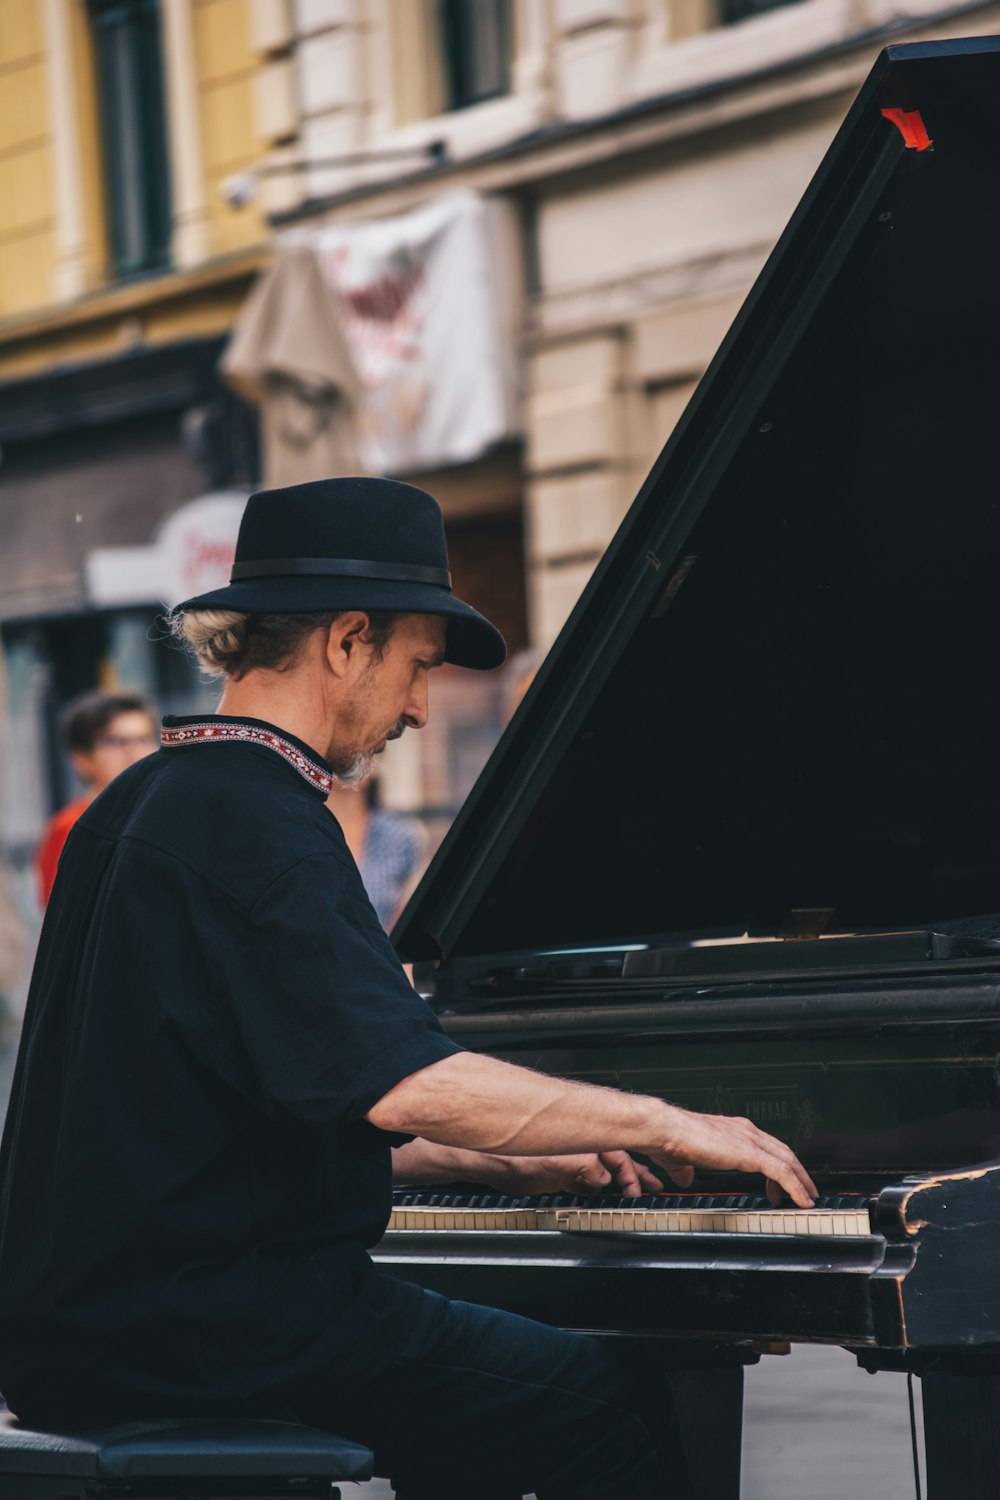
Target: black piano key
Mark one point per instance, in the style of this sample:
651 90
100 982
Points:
743 1202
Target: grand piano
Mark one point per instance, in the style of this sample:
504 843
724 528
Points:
740 846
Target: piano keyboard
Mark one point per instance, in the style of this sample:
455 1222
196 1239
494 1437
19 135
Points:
680 1213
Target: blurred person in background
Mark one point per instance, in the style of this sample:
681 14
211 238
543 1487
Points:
104 733
519 674
388 848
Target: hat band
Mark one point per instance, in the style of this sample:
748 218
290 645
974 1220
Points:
341 567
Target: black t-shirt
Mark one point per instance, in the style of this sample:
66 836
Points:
187 1184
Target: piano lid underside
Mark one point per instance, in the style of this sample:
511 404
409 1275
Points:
809 720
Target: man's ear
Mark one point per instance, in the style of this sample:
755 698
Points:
342 642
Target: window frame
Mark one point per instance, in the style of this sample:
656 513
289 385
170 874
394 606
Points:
458 21
128 60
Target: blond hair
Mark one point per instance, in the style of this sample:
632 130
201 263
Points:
229 643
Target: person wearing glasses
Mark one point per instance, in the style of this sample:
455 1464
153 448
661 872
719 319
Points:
104 733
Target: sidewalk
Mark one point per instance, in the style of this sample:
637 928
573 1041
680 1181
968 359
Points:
815 1428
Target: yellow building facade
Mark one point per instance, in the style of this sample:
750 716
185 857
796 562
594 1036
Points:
62 297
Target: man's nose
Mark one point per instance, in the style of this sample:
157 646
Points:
418 708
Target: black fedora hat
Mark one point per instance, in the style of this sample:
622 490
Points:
351 544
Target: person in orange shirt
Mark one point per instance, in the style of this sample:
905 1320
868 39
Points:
104 733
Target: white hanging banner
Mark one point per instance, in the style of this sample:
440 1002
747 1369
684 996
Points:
432 306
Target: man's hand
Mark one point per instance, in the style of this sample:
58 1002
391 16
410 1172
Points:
730 1143
600 1172
481 1104
421 1162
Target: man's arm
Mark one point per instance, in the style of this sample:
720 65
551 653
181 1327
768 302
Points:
422 1162
482 1104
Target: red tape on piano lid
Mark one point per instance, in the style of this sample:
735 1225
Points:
911 127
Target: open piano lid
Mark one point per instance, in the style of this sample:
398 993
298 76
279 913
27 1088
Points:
779 689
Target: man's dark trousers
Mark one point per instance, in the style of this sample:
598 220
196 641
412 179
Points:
488 1405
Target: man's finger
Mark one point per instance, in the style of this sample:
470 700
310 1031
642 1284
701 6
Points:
593 1176
774 1147
649 1181
803 1179
623 1169
776 1171
682 1176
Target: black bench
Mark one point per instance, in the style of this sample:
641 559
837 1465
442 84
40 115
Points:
198 1459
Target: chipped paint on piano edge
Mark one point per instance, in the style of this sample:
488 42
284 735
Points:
937 1180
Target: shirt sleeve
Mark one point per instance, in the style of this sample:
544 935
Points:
327 1019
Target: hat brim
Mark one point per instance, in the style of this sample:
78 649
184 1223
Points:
471 641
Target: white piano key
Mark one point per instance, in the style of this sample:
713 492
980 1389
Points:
800 1222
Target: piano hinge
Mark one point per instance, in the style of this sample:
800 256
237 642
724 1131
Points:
806 922
674 584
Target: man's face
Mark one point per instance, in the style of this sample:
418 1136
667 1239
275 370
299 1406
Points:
389 694
126 739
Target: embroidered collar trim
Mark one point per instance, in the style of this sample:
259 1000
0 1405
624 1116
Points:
225 731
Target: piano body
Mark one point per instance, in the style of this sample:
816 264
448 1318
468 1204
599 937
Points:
740 846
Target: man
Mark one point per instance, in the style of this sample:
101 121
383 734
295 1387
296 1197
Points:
104 734
221 1048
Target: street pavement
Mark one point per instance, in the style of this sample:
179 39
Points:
815 1426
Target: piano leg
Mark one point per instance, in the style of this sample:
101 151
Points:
709 1406
962 1435
706 1384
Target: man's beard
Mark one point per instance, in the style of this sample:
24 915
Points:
351 770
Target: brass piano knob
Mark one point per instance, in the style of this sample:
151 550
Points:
771 1346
